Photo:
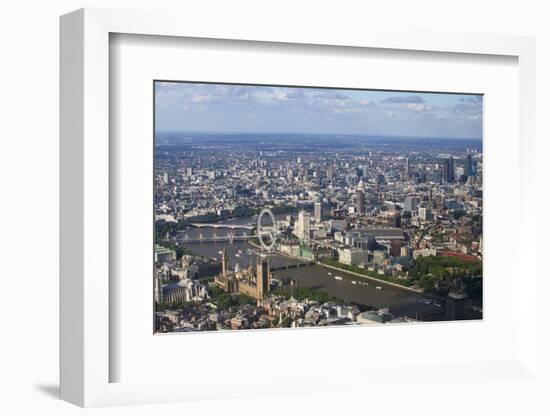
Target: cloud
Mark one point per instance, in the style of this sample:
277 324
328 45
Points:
199 98
275 95
295 94
331 95
472 99
162 86
469 108
351 110
462 107
417 107
195 106
403 99
331 101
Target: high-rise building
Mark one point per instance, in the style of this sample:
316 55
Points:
407 166
411 203
424 213
302 229
469 166
330 172
395 220
449 170
290 175
360 201
318 211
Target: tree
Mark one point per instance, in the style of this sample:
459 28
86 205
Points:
246 300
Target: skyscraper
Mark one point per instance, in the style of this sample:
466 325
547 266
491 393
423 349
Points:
330 172
302 229
360 201
290 175
449 170
318 213
469 166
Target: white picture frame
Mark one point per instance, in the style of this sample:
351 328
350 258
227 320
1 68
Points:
85 182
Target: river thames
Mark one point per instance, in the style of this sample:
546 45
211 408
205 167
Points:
365 291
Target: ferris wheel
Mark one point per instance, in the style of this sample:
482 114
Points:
267 230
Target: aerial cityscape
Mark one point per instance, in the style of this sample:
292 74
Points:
280 207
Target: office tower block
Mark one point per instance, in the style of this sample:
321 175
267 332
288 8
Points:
449 170
360 201
302 230
318 211
330 172
469 166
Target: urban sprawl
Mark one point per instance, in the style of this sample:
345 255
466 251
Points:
287 231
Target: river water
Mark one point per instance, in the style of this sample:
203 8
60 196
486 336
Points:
401 302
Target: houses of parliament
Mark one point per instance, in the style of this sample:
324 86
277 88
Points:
246 282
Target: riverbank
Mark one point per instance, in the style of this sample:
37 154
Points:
363 276
400 302
366 277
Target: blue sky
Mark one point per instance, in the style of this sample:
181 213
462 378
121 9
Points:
243 108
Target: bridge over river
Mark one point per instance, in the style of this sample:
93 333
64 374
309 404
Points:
186 237
229 226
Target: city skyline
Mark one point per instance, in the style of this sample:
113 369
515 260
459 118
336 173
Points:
280 229
233 109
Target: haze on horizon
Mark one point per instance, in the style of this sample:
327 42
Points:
232 108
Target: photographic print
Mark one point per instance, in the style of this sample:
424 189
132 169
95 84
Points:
293 207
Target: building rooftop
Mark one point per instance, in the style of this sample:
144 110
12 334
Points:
385 233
